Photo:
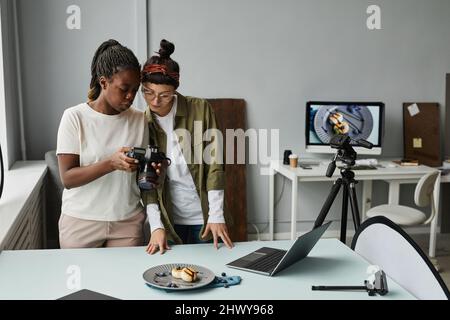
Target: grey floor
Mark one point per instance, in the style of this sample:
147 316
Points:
442 252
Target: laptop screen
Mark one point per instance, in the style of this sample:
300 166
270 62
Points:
279 259
301 247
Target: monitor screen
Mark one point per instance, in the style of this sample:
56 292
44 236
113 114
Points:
359 120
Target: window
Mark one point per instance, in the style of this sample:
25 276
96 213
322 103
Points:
2 100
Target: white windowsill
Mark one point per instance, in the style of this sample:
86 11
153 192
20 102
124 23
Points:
20 181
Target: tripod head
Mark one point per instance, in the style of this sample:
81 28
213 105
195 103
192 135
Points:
345 151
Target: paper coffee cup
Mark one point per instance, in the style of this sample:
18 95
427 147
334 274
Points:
293 160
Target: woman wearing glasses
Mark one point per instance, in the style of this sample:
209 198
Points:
188 206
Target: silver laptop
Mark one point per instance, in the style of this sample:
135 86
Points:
269 261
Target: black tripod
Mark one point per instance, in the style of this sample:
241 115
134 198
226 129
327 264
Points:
348 156
349 193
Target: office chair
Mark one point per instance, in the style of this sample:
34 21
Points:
426 193
382 242
53 205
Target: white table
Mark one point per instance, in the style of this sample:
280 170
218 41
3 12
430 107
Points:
394 175
117 272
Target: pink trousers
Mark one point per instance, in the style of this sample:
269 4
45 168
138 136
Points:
81 233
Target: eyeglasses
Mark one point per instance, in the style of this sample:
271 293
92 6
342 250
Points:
150 94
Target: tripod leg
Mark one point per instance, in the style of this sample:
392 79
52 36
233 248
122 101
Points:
327 205
354 205
344 213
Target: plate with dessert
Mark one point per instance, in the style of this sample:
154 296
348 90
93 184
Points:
178 276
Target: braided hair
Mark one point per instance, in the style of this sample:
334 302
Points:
110 58
163 59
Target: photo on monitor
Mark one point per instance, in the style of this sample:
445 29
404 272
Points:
359 120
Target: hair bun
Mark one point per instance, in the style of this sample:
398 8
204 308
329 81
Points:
112 42
166 49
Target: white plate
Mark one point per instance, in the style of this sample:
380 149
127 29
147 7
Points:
161 277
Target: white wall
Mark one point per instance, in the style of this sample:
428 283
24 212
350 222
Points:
279 54
55 61
274 54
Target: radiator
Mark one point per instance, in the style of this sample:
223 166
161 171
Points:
29 228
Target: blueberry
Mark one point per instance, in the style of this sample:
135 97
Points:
224 274
226 285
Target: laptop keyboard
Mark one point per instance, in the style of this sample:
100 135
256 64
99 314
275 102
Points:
361 167
268 262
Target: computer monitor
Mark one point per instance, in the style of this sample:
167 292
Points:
359 120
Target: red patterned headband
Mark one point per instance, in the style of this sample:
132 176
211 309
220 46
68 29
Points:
160 68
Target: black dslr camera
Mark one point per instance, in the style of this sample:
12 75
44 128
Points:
147 178
345 152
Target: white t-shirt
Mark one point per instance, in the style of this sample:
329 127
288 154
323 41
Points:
186 207
95 136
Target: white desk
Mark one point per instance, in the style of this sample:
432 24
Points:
393 175
42 274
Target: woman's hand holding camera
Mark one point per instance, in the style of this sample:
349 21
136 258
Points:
119 161
161 170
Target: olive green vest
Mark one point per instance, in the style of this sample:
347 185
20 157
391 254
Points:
193 118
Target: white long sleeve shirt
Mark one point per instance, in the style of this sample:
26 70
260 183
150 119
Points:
186 206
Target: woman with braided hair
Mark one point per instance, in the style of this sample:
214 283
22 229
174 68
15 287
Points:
101 201
188 205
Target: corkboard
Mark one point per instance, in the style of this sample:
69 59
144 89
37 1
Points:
421 133
230 114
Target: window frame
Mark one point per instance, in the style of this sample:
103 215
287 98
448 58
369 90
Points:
3 140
